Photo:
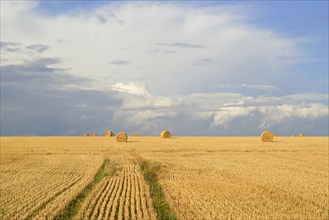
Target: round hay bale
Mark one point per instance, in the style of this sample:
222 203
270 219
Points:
302 135
165 134
109 133
122 137
86 134
293 135
136 134
94 135
267 136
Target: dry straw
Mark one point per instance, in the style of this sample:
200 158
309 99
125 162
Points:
302 135
94 135
109 133
136 134
267 136
293 135
165 134
86 135
122 137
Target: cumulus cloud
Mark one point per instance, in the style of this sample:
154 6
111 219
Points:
271 115
131 88
226 114
218 112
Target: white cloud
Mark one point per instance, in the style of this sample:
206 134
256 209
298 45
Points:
92 40
227 114
303 111
270 115
217 110
131 88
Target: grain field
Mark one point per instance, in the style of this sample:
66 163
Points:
201 177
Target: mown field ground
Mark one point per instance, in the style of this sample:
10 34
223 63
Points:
200 177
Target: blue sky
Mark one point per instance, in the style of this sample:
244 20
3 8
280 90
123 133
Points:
194 67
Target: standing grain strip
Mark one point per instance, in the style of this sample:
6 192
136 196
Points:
127 203
110 194
94 200
138 202
123 197
142 197
107 193
149 202
132 197
83 214
116 199
96 208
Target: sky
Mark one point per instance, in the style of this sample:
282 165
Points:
206 68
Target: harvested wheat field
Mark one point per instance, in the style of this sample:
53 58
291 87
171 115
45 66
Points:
156 178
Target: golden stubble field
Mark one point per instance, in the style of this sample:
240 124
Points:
201 177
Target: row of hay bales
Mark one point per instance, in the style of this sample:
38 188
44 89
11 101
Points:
123 137
268 136
109 133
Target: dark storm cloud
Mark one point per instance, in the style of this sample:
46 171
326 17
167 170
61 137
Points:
180 44
119 62
37 70
39 48
39 100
